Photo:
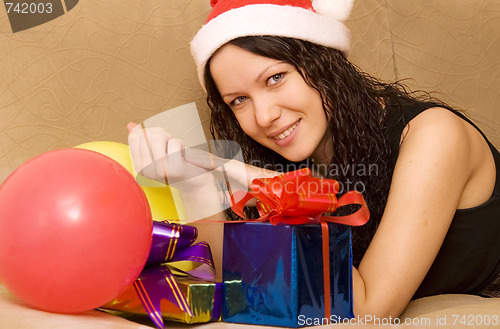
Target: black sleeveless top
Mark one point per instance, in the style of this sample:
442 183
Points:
469 259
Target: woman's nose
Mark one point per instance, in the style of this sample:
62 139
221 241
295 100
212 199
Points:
266 111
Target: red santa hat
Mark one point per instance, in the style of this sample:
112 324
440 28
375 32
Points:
316 21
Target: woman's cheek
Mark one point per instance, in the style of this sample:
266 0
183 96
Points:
250 129
244 119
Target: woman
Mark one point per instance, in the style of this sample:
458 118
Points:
279 84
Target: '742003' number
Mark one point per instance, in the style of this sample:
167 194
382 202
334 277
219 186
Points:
29 8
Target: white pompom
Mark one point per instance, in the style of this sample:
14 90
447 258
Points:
338 9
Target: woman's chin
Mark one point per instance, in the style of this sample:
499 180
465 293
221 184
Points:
295 157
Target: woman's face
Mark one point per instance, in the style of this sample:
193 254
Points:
272 103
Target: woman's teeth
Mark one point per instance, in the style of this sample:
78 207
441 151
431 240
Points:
287 132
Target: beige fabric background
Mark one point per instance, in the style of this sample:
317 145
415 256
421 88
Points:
84 75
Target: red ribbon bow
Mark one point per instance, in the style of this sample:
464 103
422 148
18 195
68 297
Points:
297 198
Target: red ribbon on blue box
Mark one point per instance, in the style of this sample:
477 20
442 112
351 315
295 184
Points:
298 198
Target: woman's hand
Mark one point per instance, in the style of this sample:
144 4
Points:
158 156
239 174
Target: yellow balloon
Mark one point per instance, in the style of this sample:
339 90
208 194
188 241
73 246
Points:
116 151
165 201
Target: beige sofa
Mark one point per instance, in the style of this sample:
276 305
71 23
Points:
82 76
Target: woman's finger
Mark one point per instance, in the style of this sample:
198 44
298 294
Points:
158 145
134 138
203 159
147 167
152 140
175 162
131 126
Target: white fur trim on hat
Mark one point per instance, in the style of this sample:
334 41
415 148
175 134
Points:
338 9
267 19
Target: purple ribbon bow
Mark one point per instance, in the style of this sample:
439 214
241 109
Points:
171 243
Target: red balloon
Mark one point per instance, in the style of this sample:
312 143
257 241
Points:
75 230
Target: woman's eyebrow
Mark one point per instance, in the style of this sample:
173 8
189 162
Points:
229 94
267 69
257 79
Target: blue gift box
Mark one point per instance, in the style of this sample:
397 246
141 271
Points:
273 274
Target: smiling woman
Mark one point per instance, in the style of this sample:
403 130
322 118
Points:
279 84
82 76
287 94
271 101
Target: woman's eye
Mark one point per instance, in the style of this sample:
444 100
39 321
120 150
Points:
238 100
275 79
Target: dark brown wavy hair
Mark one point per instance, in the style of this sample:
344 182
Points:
356 108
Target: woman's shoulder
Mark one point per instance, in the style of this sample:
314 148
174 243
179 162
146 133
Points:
463 145
438 122
429 178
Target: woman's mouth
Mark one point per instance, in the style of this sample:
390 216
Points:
287 136
287 132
